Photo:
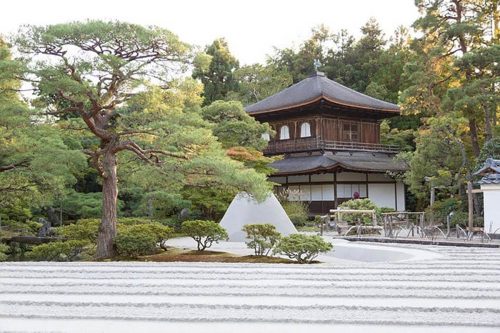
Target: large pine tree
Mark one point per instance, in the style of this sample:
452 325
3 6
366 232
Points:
97 71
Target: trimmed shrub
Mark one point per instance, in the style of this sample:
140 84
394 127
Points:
126 221
263 238
141 239
3 251
130 244
441 208
205 233
85 229
25 228
162 233
360 204
302 248
60 251
387 210
297 212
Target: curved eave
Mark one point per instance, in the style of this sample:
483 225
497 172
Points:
305 172
322 97
317 164
331 169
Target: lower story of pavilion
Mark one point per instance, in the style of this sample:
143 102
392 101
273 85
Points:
324 181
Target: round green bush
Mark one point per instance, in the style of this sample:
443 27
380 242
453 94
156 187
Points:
84 229
60 251
133 245
141 239
205 233
303 248
263 237
3 251
361 204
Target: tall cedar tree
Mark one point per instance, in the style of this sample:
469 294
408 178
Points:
215 69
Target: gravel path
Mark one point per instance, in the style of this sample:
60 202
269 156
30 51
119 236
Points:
455 291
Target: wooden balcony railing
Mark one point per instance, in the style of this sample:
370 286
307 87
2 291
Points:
315 144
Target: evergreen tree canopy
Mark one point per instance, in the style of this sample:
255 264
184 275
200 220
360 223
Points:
216 69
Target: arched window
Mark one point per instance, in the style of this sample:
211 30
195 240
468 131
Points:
305 130
284 133
266 137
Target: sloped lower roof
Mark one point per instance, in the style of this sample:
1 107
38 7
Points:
315 88
490 179
364 162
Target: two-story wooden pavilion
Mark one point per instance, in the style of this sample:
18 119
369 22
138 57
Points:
330 137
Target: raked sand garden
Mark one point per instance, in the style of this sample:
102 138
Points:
400 288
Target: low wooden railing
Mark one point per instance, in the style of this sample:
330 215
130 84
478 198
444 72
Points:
313 144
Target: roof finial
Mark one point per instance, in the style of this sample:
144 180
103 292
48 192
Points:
317 65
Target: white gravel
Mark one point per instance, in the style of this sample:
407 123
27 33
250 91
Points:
449 289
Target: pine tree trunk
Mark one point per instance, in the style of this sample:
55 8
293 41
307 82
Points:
487 123
107 228
476 149
52 217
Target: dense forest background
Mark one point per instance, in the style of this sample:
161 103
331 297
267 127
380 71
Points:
443 71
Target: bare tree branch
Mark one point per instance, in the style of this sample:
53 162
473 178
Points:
13 166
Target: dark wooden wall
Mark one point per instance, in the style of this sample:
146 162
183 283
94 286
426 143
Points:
294 126
370 132
331 128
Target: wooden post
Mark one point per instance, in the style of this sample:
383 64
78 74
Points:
335 190
432 199
321 222
470 200
61 213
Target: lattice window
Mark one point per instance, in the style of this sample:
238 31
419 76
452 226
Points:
350 132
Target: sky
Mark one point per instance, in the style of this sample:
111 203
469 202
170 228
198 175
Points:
252 28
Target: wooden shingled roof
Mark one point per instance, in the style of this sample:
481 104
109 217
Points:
361 162
490 172
319 87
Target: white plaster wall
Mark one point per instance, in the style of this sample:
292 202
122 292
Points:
294 191
323 192
316 193
305 193
347 190
400 187
491 207
328 192
383 195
